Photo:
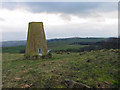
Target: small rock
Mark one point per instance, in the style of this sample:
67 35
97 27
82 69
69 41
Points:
17 78
88 61
99 84
52 62
106 82
9 71
25 81
59 53
32 85
39 72
77 80
115 62
73 84
34 58
68 53
44 64
68 83
22 66
107 85
60 74
79 85
27 86
54 71
80 54
111 73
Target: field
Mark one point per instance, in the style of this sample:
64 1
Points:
54 45
96 68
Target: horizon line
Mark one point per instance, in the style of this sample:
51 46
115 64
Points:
61 38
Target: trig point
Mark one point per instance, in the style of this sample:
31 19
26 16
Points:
36 41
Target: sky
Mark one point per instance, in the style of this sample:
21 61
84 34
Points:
60 19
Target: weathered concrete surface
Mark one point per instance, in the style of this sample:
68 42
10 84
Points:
36 39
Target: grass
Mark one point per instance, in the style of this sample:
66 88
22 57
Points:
65 47
59 44
17 49
95 68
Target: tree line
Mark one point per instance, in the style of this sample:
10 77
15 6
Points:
111 43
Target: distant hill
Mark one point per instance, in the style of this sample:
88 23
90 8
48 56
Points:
55 41
13 43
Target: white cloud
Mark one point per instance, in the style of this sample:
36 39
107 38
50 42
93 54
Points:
17 20
57 25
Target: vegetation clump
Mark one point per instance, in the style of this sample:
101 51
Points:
38 57
26 56
49 55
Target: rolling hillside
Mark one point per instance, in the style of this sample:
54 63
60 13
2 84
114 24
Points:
53 44
53 41
97 68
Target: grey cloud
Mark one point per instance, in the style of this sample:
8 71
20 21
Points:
80 9
2 19
64 7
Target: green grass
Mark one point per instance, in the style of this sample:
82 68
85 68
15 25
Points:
15 49
65 47
55 45
89 68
